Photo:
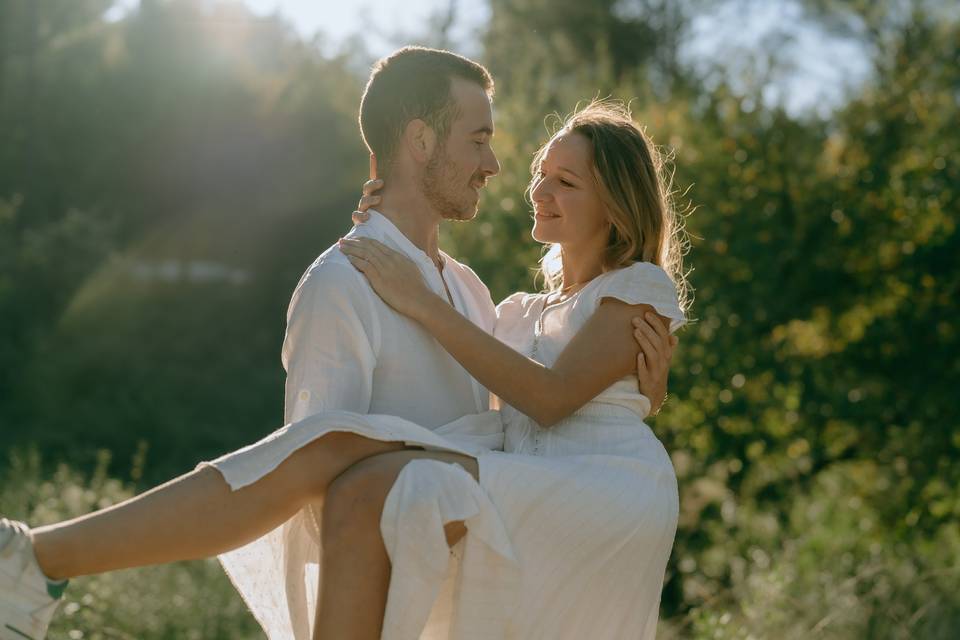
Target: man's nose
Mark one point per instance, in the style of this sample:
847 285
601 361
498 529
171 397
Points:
490 166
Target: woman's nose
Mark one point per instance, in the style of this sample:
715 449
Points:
540 192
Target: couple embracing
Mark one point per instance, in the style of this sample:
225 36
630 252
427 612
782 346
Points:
449 469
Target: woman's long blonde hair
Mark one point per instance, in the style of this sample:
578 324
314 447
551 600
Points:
636 189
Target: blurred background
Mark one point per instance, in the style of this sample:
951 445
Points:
169 168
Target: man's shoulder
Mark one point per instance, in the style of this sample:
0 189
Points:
332 263
331 272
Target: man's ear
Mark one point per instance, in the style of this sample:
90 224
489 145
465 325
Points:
420 139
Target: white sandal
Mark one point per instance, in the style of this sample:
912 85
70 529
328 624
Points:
28 599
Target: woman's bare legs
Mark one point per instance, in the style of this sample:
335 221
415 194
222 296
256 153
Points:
355 560
197 515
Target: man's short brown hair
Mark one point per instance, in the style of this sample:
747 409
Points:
413 83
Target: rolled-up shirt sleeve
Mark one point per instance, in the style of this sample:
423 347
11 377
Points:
330 347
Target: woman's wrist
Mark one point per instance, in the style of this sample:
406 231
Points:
428 308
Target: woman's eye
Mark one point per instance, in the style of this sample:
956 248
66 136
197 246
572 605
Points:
565 183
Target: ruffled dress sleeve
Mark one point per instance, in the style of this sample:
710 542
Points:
644 283
509 314
511 305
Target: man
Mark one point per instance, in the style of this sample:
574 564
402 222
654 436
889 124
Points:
426 116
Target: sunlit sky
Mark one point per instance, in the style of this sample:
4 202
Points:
821 66
385 22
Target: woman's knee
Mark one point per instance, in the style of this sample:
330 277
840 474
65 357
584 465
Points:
329 456
354 500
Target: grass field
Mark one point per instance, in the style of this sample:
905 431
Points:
830 574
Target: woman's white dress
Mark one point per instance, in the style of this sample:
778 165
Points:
569 528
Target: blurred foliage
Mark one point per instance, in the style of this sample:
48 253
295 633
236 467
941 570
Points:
165 179
825 567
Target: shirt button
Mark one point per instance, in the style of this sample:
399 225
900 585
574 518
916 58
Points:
304 395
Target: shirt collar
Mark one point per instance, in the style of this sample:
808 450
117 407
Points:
381 224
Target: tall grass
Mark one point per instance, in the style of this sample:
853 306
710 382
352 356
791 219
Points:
827 567
182 601
824 567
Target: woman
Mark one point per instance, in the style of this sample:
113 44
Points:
200 515
585 493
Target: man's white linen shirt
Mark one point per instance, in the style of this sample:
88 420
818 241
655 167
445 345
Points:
345 349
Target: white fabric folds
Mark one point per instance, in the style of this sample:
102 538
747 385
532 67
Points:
427 495
278 574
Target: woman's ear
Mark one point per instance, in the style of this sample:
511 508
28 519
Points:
419 139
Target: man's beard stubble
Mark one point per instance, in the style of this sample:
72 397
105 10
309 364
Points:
439 188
